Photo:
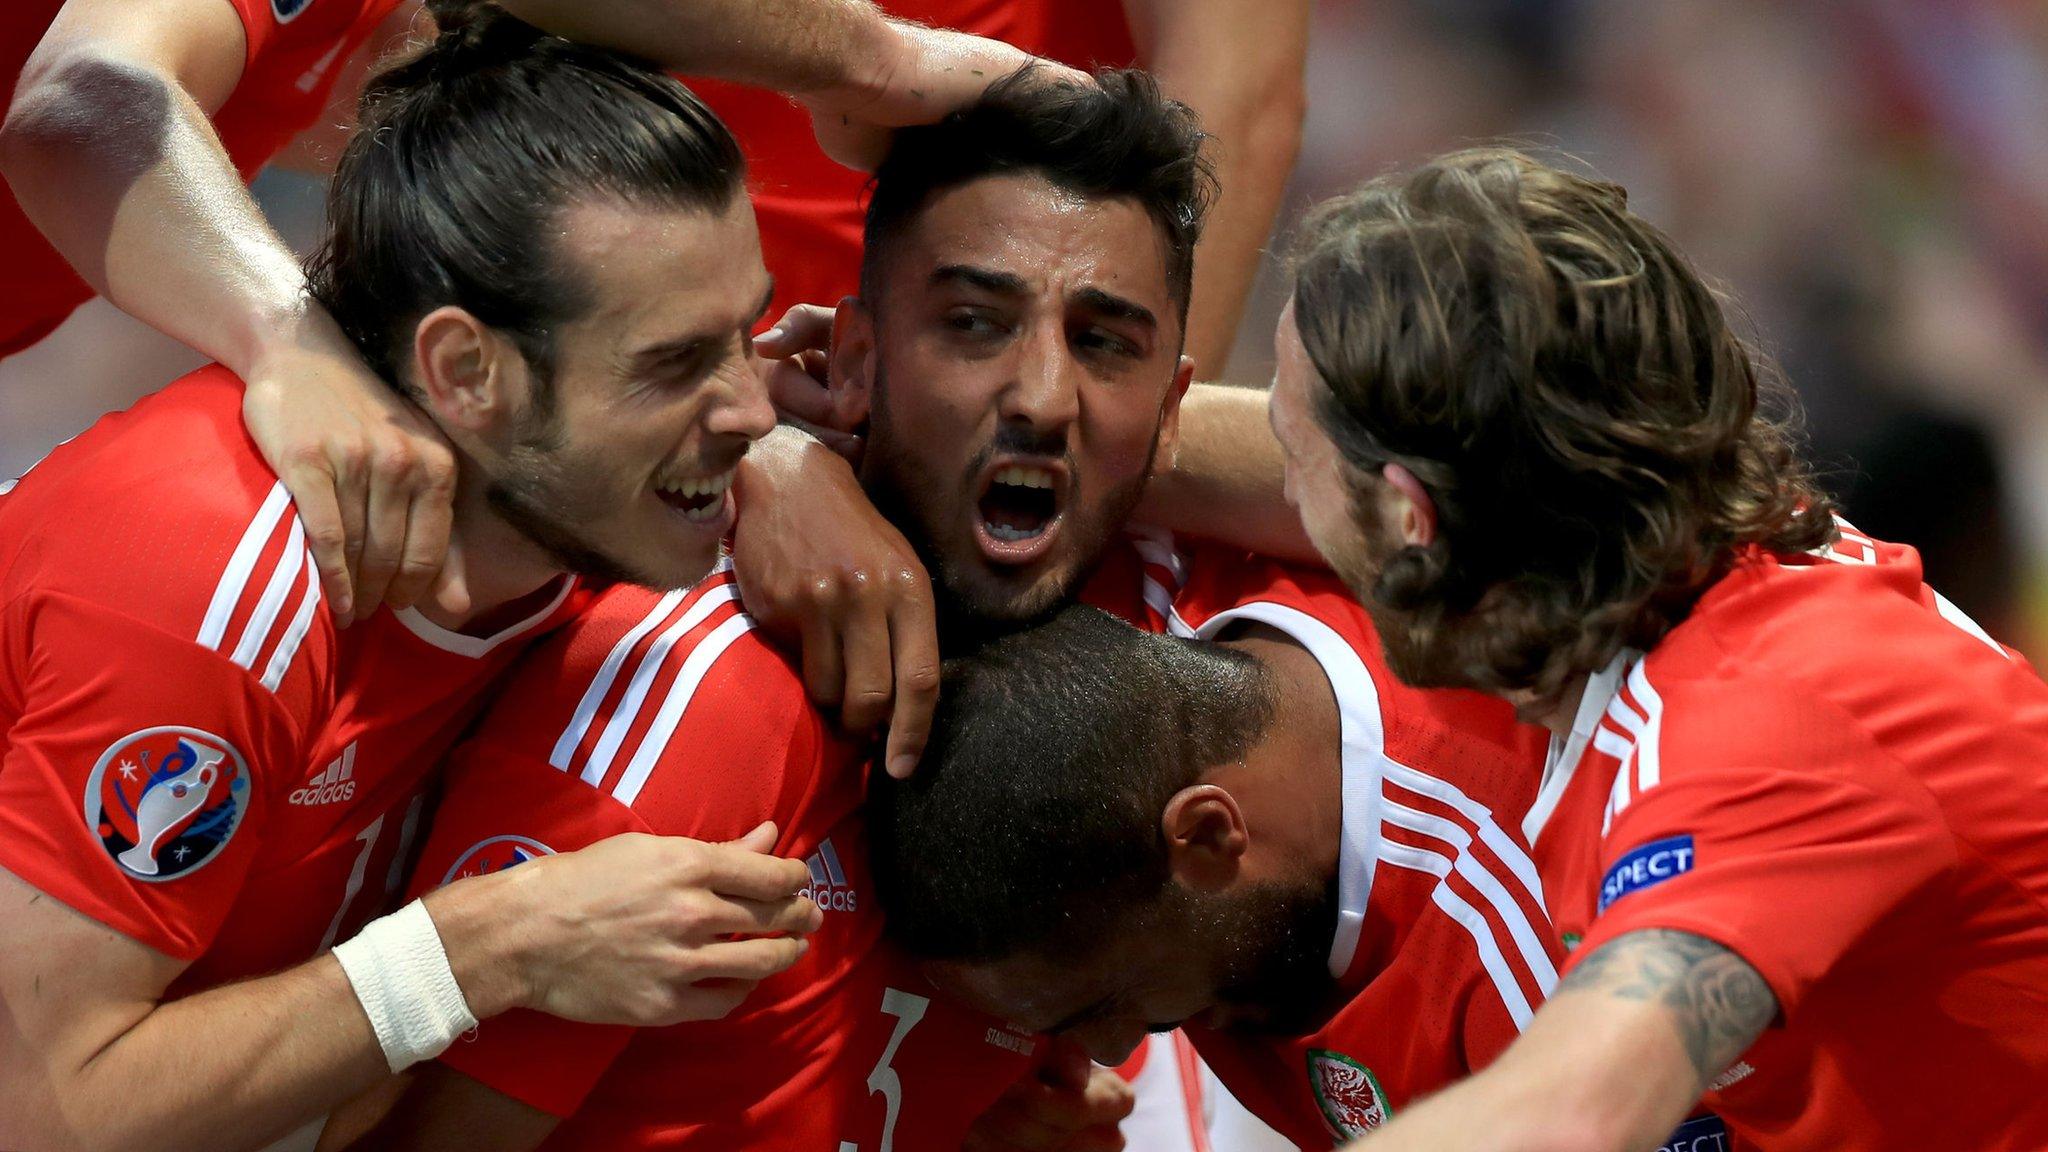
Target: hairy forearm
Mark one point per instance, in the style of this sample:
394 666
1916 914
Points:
119 167
1619 1055
797 46
1228 477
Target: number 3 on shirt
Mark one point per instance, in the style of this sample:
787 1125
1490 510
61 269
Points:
908 1010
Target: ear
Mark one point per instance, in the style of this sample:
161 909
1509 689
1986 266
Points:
852 369
1167 454
1412 508
470 378
1206 837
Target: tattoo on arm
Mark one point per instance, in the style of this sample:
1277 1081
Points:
1718 1003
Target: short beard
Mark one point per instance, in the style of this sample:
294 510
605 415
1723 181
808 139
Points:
969 610
527 494
1277 957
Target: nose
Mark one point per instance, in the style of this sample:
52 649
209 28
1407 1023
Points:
1044 391
745 410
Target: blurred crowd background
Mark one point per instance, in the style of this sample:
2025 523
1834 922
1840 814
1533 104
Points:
1867 178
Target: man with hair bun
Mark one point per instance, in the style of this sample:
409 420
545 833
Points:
1791 821
205 781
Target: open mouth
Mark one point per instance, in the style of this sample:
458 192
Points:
1020 510
701 500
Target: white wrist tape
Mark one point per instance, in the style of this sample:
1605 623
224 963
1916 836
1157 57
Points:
401 976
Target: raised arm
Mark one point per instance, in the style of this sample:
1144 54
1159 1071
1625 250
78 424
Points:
1619 1055
1238 63
858 72
109 150
1227 480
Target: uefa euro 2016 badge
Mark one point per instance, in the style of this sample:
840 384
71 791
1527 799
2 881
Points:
495 855
1350 1096
165 801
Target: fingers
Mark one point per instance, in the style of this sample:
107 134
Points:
352 496
755 958
798 394
914 645
733 871
823 677
430 516
736 916
804 328
312 489
759 838
869 673
383 539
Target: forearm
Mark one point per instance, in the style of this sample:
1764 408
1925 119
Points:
1238 64
796 46
233 1067
1612 1063
119 167
1228 480
1254 152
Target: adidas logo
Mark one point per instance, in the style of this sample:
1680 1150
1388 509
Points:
335 785
828 888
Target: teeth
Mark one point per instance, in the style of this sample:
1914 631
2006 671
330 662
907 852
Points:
1022 477
707 486
1005 532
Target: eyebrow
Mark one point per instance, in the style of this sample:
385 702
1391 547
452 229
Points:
654 355
1116 307
998 283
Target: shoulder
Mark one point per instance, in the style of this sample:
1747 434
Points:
672 703
165 517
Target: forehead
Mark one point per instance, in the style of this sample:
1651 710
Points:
1056 240
660 267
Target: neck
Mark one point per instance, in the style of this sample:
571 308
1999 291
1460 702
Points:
1555 713
490 561
1290 785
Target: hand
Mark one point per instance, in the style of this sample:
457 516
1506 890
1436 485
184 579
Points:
931 72
815 560
799 382
373 479
638 929
1067 1104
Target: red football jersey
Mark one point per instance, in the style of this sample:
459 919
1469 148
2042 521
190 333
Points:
190 751
1832 772
1442 940
668 714
810 208
295 49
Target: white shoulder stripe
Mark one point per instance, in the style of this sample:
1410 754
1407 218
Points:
256 634
1164 555
680 693
1649 765
1456 907
241 565
1503 846
295 632
1158 598
607 673
1535 957
628 711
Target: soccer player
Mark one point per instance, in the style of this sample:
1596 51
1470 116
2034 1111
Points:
204 782
1265 838
1237 64
671 714
132 124
1792 816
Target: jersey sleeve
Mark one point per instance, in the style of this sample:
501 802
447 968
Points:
137 780
1786 844
503 807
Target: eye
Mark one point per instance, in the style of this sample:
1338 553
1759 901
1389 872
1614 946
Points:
1102 340
973 322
